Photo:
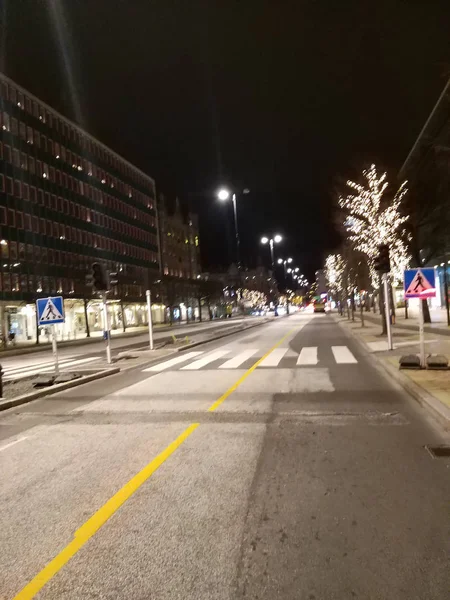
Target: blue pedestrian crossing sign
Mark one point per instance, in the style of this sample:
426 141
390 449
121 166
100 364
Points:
420 283
50 310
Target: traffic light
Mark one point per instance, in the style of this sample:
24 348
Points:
99 278
382 262
113 279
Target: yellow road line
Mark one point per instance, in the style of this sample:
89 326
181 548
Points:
222 398
98 519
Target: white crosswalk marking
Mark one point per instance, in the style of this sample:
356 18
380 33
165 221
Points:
202 362
172 362
238 360
342 355
274 358
308 356
21 372
19 365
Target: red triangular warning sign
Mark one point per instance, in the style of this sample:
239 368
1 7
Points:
419 284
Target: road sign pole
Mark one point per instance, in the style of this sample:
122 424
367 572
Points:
420 283
108 332
55 350
421 335
150 322
387 309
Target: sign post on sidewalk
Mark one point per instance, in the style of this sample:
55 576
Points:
420 283
107 333
50 311
55 350
150 322
387 310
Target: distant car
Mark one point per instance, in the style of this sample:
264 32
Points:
319 307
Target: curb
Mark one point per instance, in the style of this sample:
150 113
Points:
5 404
439 411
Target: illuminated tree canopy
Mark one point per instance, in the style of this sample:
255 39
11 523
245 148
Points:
372 219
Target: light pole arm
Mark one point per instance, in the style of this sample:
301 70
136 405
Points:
238 258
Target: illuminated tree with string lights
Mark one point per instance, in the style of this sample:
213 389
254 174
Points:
334 273
253 298
372 218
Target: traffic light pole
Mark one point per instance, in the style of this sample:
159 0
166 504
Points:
387 310
150 323
107 327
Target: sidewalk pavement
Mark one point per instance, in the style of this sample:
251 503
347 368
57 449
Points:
438 320
430 388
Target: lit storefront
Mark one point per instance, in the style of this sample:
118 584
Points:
19 320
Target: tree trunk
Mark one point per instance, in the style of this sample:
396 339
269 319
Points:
392 304
86 319
426 312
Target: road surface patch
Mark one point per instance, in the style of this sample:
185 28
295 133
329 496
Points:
103 514
99 518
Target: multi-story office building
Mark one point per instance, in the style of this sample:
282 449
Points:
66 200
179 242
427 170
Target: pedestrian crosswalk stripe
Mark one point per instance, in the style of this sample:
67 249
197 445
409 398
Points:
342 355
47 364
201 362
274 358
21 365
173 362
20 373
308 356
238 360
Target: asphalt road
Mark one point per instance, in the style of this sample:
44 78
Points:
277 463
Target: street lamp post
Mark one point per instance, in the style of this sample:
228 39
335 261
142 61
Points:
276 239
223 194
284 262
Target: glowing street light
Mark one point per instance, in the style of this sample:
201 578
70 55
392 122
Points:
275 239
284 262
223 194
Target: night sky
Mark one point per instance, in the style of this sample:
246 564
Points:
279 97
